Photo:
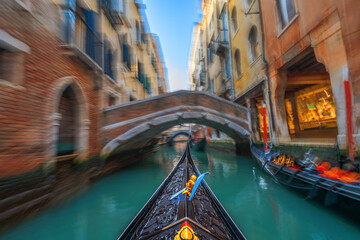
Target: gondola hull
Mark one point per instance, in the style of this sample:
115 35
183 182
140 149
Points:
162 218
330 192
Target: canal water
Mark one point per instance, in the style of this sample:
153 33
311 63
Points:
261 208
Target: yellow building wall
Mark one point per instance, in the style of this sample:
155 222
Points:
252 72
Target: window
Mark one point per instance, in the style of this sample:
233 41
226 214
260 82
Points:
126 56
227 67
138 32
225 24
287 11
210 53
108 59
211 24
116 5
237 62
68 29
211 88
12 57
234 20
253 44
122 6
249 2
143 38
111 100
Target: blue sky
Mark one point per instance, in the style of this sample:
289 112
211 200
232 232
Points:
173 21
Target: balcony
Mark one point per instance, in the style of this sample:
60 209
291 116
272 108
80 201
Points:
221 43
112 11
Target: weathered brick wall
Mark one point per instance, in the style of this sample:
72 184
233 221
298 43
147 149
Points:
26 109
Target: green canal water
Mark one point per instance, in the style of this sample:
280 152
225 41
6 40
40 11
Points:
261 208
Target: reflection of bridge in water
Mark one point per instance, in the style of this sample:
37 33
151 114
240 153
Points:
133 125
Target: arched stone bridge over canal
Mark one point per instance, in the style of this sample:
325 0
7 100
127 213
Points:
173 135
133 125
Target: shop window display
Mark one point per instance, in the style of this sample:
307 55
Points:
315 109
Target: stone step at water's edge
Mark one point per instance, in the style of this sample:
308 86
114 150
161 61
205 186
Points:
18 185
23 208
20 198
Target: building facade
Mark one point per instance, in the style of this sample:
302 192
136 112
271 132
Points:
210 61
62 63
227 56
249 64
312 47
291 55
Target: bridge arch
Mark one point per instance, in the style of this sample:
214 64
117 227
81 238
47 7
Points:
122 133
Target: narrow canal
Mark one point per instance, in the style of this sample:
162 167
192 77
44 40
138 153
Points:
261 208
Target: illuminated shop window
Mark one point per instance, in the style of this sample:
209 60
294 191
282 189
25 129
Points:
315 108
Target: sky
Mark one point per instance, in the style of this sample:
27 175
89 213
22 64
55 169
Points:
173 21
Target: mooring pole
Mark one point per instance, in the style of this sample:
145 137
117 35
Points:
265 127
348 114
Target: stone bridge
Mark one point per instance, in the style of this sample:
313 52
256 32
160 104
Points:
133 125
175 134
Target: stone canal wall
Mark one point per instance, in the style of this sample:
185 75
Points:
27 194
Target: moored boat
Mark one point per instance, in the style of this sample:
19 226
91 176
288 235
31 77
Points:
199 217
310 181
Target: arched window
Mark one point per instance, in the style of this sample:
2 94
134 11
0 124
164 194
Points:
253 43
234 21
237 62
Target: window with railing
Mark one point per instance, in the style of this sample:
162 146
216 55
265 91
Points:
79 28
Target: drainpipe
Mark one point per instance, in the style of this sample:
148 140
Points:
266 70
